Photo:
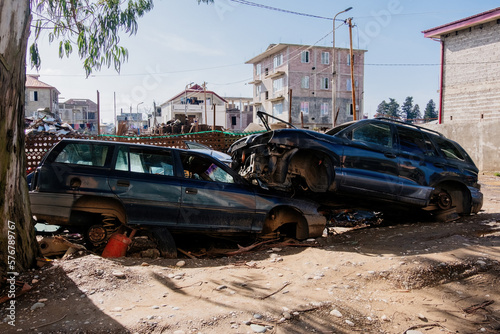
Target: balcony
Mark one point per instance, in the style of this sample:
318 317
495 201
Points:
274 75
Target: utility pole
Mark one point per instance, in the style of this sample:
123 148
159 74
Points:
205 98
98 115
353 85
334 71
290 106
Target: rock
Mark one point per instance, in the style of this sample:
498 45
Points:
99 272
179 332
385 318
117 309
350 323
42 300
145 264
155 307
221 287
257 316
287 315
411 331
258 328
181 264
422 317
276 249
118 274
336 313
37 305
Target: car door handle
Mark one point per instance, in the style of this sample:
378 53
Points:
123 183
390 155
191 191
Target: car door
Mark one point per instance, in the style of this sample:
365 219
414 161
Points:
417 161
144 180
213 197
369 163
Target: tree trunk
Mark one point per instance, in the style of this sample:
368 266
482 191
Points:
18 247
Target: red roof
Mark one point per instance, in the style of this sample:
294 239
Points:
491 15
33 82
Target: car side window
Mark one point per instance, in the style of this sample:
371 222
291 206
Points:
372 133
201 168
413 142
448 149
145 161
83 154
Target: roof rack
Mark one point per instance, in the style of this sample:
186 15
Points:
410 124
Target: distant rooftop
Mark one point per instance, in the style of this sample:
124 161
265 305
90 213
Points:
488 16
33 82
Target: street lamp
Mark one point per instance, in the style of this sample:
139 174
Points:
334 72
138 106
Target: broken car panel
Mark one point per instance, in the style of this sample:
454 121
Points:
375 163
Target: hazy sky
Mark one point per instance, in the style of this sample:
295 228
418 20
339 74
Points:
180 42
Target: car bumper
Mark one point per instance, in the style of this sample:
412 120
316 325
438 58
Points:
476 199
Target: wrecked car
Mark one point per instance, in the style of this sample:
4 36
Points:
95 187
373 163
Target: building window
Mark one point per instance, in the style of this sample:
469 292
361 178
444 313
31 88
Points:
258 70
325 58
325 107
325 83
233 121
349 109
277 109
349 59
305 56
257 91
304 108
34 95
278 60
348 85
305 82
277 85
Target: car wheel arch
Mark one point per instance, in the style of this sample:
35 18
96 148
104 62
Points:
315 166
100 205
286 217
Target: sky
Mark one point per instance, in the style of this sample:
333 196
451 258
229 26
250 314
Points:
181 41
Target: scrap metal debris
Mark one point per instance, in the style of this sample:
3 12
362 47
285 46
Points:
47 125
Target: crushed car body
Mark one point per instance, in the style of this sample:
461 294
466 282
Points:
372 163
95 187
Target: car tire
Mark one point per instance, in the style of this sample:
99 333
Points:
164 241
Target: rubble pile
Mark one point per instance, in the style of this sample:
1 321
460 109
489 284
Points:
47 125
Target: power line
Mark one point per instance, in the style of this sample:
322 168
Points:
249 3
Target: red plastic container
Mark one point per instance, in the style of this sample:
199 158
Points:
116 246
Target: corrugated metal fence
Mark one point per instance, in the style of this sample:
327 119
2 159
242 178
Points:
38 144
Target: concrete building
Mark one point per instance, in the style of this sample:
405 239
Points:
191 103
470 70
81 114
239 112
294 82
40 95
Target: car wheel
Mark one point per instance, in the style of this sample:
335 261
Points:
164 241
454 197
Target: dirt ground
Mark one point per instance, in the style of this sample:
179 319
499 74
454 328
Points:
411 277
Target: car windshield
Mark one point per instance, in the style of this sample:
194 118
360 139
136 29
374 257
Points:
337 129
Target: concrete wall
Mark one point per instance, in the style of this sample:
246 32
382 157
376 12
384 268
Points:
480 139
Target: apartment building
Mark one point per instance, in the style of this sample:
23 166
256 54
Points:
294 82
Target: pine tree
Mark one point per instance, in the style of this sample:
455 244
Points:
406 109
393 109
430 112
382 109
